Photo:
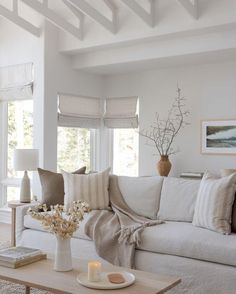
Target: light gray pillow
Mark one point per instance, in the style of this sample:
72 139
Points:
178 197
214 203
92 188
53 186
142 194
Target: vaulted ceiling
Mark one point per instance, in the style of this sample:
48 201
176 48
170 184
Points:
69 15
115 36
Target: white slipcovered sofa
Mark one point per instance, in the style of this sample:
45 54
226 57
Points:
205 260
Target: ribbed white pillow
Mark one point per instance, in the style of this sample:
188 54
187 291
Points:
213 209
92 188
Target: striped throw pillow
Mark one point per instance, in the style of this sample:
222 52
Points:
214 203
92 188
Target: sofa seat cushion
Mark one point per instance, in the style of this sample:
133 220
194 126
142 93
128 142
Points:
186 240
34 224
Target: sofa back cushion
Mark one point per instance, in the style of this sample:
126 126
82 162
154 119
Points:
178 197
215 199
142 194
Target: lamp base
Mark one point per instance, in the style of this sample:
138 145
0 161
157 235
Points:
25 196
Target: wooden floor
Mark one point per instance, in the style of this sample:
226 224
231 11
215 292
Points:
5 232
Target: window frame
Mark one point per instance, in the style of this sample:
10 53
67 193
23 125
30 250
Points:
111 149
94 147
5 181
3 151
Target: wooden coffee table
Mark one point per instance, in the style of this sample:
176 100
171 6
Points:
42 276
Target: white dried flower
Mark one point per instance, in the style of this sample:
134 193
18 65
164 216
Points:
60 221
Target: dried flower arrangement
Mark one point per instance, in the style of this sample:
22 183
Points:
60 221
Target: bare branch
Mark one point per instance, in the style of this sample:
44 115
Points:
163 131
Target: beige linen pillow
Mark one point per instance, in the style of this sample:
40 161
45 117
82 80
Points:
53 186
227 172
214 203
92 188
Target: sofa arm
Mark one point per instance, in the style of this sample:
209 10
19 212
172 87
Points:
21 211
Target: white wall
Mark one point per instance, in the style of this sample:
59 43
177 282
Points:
60 77
18 46
210 90
53 74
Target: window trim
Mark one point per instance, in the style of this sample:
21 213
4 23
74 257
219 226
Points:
4 153
5 181
111 149
94 147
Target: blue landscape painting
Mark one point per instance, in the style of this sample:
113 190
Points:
221 136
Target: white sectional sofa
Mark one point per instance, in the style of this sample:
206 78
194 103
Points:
205 260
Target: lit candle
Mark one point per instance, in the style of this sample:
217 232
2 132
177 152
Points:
94 271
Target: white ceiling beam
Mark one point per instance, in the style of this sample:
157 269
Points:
111 5
43 9
12 15
191 6
93 13
148 18
78 14
74 10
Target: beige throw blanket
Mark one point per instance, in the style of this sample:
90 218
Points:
116 233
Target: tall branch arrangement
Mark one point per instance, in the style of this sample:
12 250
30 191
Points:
164 131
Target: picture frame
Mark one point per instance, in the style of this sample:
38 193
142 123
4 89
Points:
218 136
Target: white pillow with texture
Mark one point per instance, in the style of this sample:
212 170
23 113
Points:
142 194
214 203
92 188
178 198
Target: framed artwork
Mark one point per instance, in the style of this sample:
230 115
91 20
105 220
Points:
218 137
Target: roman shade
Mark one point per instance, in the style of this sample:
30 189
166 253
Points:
16 82
79 111
121 112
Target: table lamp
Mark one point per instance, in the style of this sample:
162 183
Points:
25 160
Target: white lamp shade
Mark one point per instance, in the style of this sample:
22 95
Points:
26 159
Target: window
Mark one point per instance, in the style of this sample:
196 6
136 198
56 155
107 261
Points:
74 148
125 152
16 132
20 131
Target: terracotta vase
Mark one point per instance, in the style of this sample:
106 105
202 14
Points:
164 166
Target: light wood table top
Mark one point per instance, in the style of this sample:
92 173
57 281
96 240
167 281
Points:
42 276
16 203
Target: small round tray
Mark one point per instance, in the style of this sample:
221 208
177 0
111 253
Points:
82 279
